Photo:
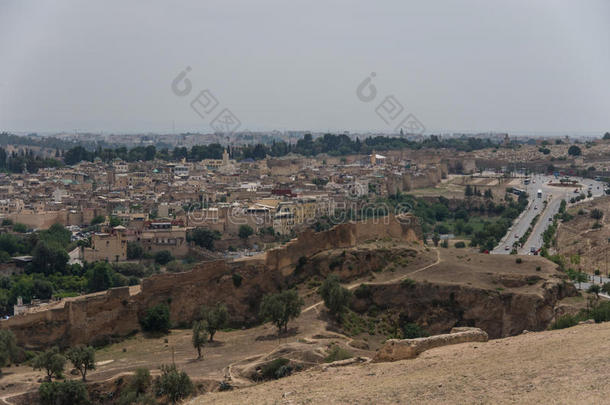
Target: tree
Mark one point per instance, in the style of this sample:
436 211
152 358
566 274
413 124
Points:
215 318
336 298
468 191
20 228
51 361
173 384
200 336
606 288
48 258
98 219
163 257
83 359
436 238
245 231
596 213
156 319
281 307
8 348
69 392
594 289
114 221
580 278
607 136
203 237
100 277
574 151
134 250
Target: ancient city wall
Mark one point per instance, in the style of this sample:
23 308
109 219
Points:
285 259
117 312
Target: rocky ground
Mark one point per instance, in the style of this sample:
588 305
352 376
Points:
568 366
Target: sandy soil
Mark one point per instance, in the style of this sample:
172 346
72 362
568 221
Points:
569 366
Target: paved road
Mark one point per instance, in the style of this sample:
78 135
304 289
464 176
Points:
553 196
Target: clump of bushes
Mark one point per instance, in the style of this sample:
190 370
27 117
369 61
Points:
70 392
338 353
276 369
460 245
173 384
156 319
411 330
237 279
407 282
363 291
565 321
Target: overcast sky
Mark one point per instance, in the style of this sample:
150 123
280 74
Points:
518 66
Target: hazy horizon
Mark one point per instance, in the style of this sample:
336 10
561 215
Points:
538 68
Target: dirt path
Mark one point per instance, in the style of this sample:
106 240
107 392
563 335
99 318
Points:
320 325
391 281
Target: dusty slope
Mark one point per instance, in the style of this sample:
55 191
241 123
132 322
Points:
578 237
567 366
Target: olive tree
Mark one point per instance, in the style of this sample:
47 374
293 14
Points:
281 307
83 359
51 361
215 318
200 336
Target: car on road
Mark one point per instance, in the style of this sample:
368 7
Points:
535 207
506 247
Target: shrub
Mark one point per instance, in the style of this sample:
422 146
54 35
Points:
594 289
407 282
237 279
156 319
245 231
596 213
163 257
412 330
175 266
460 245
338 353
173 384
363 291
135 391
70 392
134 250
565 321
601 313
20 228
98 219
203 237
270 370
518 260
225 386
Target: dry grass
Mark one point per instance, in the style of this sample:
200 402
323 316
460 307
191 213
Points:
567 366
